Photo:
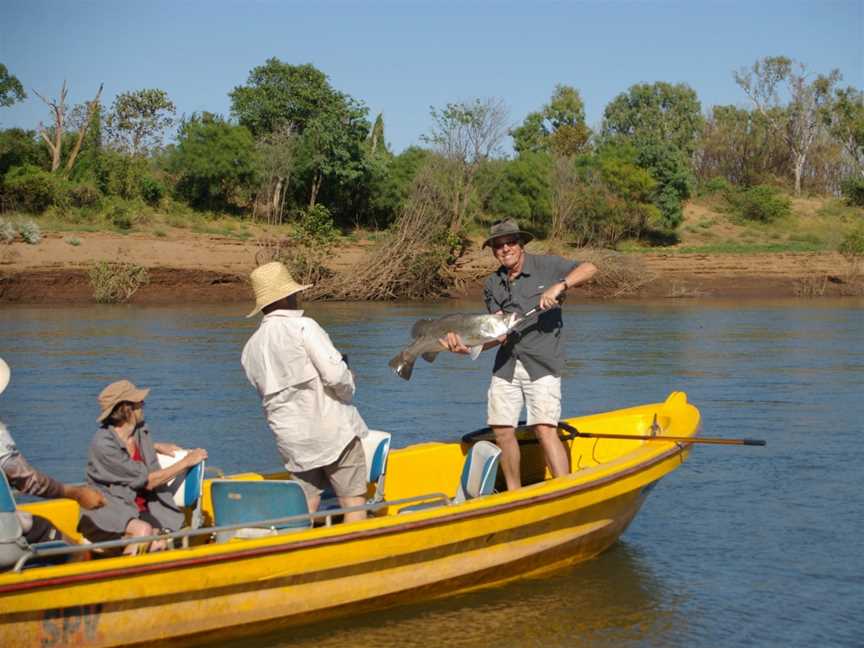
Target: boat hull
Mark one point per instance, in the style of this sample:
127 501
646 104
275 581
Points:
237 588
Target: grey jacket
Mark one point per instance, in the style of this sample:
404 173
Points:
111 470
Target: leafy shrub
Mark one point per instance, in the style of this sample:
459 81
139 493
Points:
29 231
761 203
852 245
152 191
8 233
33 190
114 283
121 217
121 175
316 226
84 195
853 191
716 186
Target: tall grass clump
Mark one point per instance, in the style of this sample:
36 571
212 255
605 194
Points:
116 282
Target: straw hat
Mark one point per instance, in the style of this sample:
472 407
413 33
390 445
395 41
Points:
5 374
271 282
119 392
508 227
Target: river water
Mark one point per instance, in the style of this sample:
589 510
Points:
741 546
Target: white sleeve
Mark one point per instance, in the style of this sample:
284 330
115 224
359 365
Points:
333 371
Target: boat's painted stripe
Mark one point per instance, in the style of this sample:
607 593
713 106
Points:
342 538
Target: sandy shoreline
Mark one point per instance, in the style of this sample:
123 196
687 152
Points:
200 268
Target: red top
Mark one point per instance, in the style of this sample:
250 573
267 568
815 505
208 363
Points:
140 502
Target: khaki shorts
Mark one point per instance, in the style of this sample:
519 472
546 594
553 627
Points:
542 398
346 476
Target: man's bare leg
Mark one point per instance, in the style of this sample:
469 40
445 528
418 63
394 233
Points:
354 516
553 449
505 437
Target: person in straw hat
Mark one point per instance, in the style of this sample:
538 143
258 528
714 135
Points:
306 391
23 477
122 464
527 369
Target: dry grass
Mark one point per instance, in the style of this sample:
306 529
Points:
618 275
116 282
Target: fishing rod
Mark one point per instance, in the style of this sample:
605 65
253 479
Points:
659 437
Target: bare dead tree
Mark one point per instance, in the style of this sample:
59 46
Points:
58 108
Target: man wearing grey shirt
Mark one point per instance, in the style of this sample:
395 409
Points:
529 362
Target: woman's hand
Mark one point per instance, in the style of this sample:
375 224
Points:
195 456
166 448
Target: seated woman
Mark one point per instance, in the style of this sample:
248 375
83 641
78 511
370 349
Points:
123 466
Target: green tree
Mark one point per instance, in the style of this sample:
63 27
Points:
19 148
800 119
657 112
845 119
138 120
331 126
519 189
214 161
739 145
11 90
558 127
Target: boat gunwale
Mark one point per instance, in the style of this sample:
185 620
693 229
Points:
350 536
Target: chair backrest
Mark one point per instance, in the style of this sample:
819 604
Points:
478 471
11 532
248 502
186 488
376 447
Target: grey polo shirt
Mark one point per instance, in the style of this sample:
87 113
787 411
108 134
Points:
538 343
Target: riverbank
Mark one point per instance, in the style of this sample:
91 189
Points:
187 267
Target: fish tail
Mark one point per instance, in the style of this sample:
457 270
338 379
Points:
403 365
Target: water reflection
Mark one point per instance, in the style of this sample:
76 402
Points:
612 600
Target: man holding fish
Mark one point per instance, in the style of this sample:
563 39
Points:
527 369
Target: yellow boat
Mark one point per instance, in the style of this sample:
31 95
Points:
402 553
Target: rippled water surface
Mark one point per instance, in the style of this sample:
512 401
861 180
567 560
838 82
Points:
740 546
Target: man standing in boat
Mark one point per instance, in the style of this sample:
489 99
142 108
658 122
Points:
527 369
306 390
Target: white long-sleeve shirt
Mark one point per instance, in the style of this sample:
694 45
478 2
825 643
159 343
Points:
305 387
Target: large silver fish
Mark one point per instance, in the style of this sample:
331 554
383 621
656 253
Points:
474 330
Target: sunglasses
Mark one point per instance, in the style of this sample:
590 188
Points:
500 243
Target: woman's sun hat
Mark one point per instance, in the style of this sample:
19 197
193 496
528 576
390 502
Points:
272 282
5 374
118 392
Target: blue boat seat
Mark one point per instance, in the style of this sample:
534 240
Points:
376 448
479 471
250 502
187 487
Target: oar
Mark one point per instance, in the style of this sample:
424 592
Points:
660 437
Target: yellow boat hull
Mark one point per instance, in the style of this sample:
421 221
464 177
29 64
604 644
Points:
238 587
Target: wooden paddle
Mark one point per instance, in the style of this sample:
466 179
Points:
660 437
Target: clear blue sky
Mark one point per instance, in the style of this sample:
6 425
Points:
400 58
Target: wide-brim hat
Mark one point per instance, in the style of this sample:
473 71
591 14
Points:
272 282
508 227
5 374
122 391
